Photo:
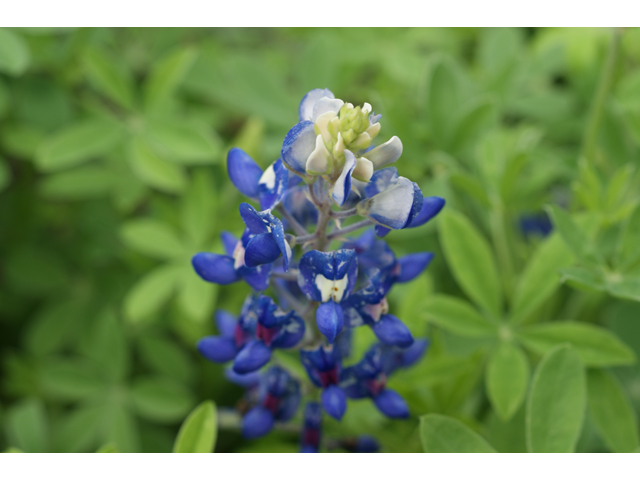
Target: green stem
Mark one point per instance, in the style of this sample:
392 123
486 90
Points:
605 85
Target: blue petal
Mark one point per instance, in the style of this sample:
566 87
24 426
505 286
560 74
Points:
412 265
291 332
342 187
412 354
252 219
431 206
248 380
308 449
261 249
416 207
254 355
217 349
393 207
226 323
298 145
313 415
382 231
391 404
258 277
215 268
366 444
381 180
391 331
330 319
305 109
243 172
257 422
229 241
334 401
272 185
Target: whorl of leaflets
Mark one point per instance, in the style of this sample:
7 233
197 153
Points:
330 172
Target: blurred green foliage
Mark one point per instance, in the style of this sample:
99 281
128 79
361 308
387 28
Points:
112 175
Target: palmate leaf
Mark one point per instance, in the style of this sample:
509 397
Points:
541 277
78 143
152 291
198 431
507 379
594 345
471 261
612 412
574 237
161 399
183 142
14 53
153 170
457 316
108 76
165 77
556 402
441 434
152 237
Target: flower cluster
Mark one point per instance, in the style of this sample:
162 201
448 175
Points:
329 171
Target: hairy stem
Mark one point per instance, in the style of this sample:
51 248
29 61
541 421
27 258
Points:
299 229
344 213
351 228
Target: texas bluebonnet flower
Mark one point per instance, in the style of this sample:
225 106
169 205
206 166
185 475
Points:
311 428
324 366
278 400
367 379
329 172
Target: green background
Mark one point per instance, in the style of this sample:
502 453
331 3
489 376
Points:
112 175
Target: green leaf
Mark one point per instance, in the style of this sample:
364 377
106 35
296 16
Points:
5 174
540 278
166 75
199 430
471 121
198 212
80 430
573 236
627 252
54 326
151 237
69 379
457 316
26 426
161 399
443 98
90 181
626 288
152 291
441 434
78 143
556 402
184 142
471 260
612 412
596 346
154 170
196 297
109 77
107 346
507 379
584 279
121 428
166 357
14 53
108 448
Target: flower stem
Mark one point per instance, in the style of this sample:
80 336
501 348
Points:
351 228
344 213
299 229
